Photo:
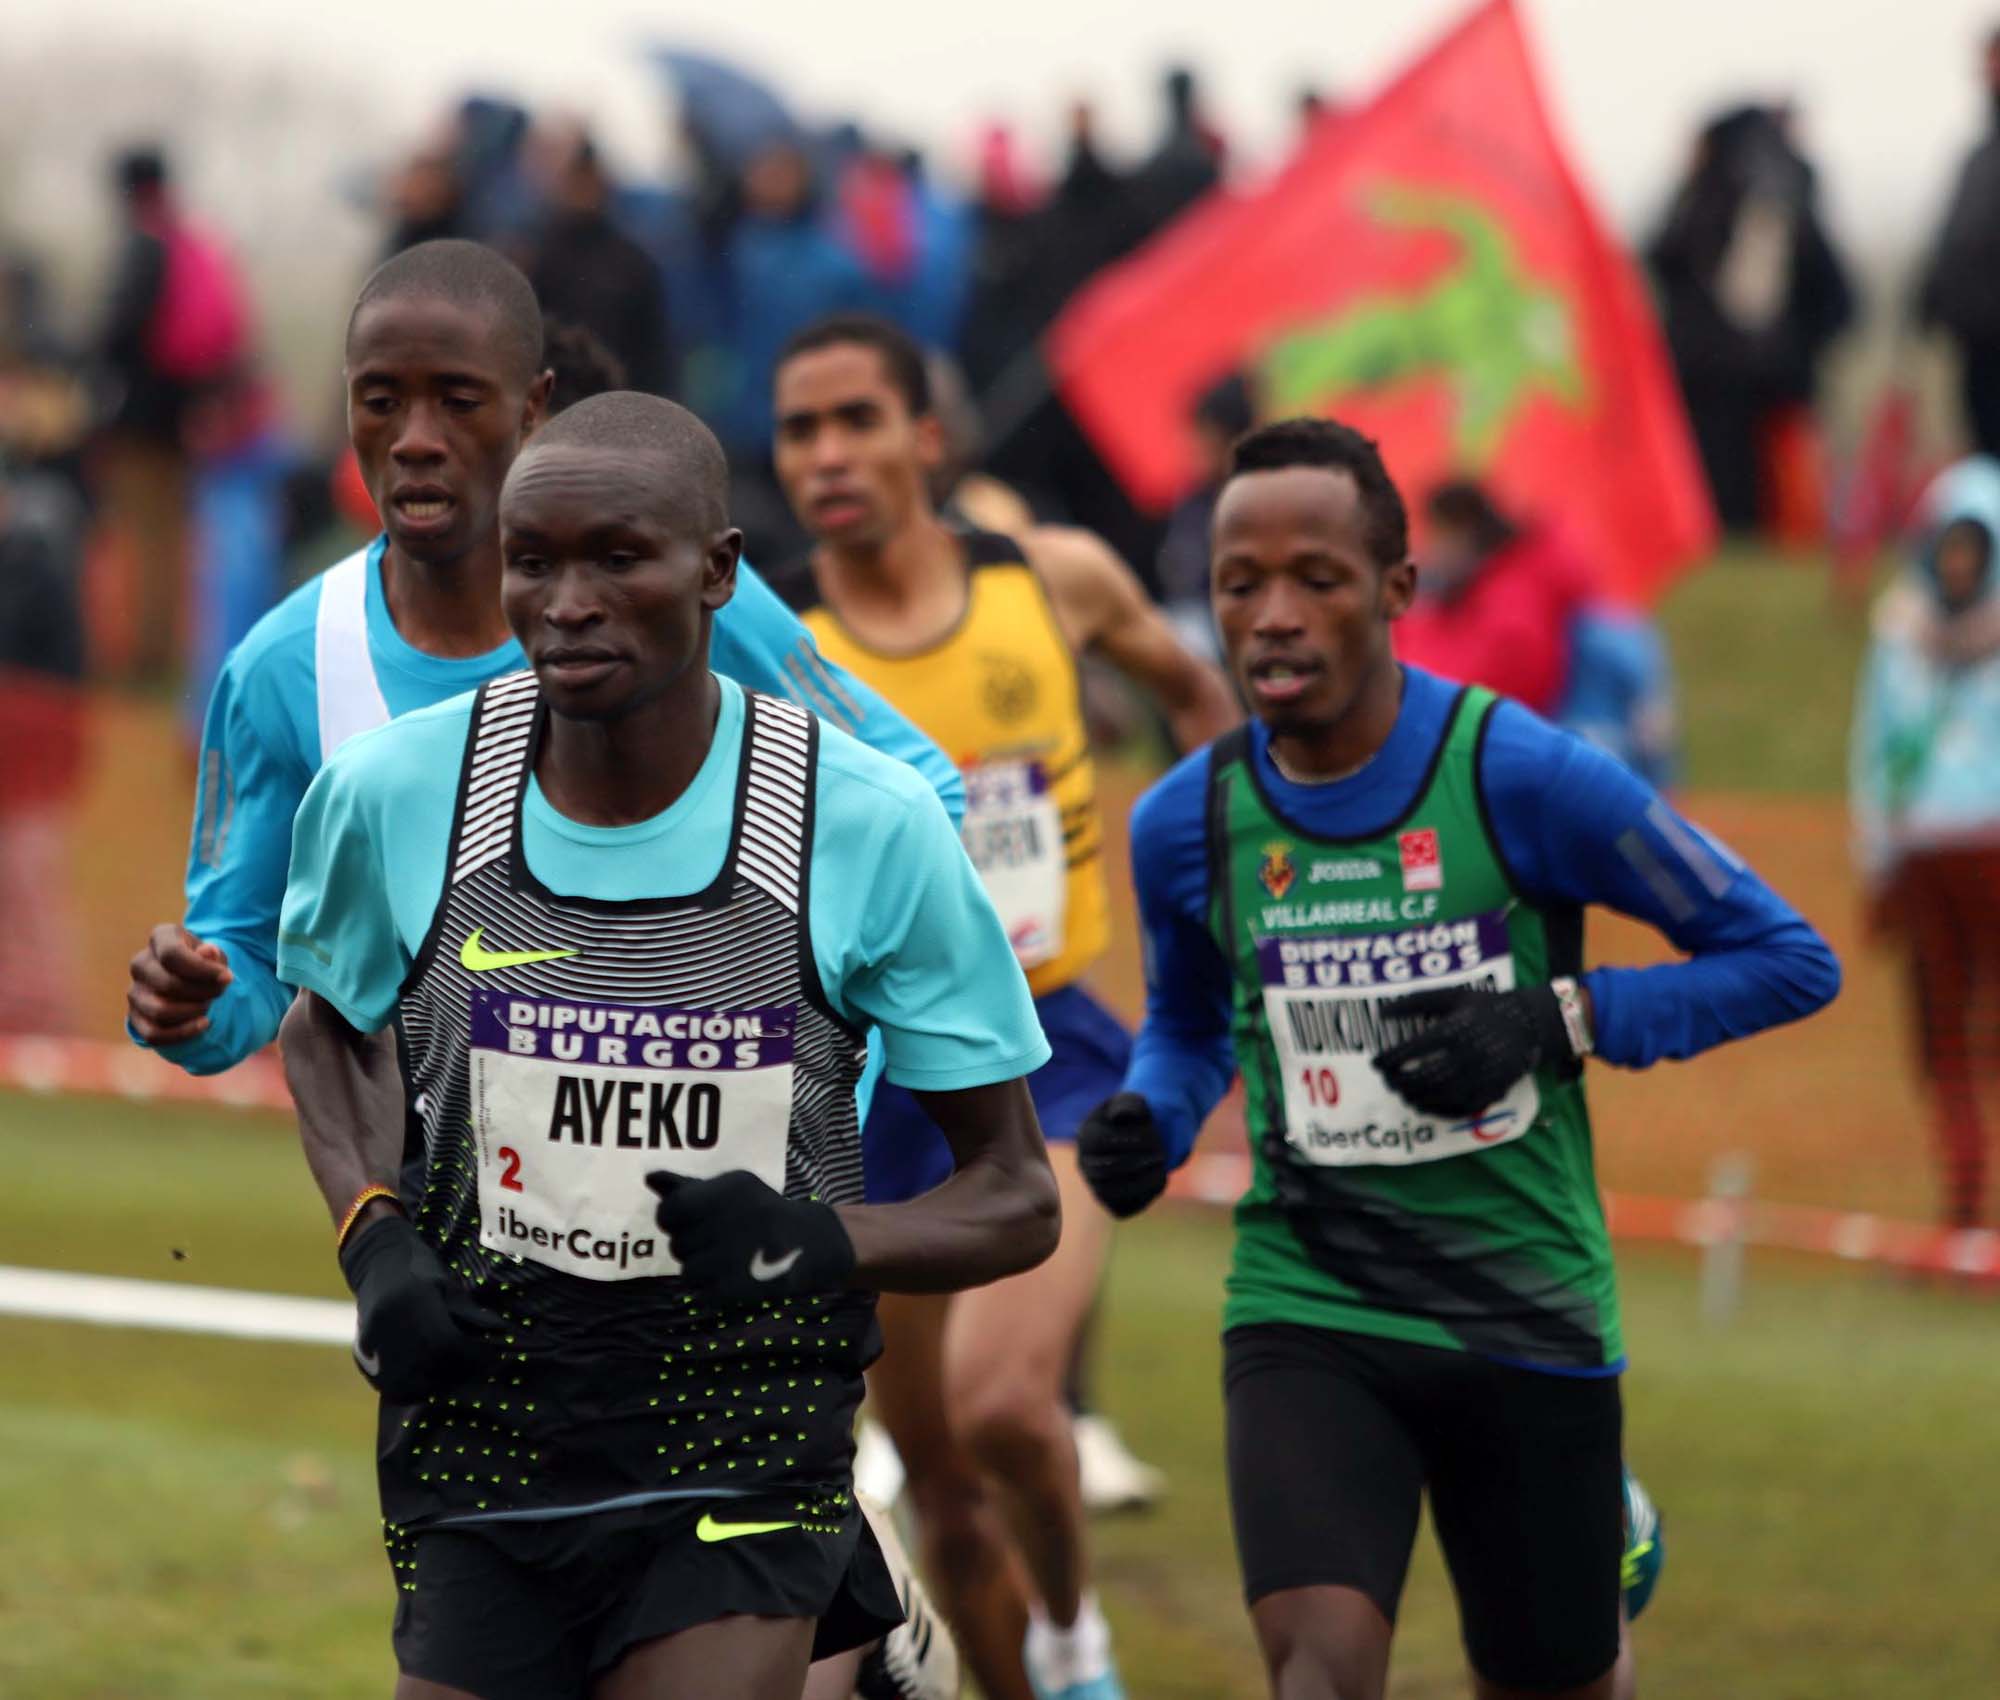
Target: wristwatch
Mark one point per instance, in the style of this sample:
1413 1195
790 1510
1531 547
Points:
1575 1019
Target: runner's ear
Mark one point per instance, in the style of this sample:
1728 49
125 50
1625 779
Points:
1399 589
932 447
535 413
725 555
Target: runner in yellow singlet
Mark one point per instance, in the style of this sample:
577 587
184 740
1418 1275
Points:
974 637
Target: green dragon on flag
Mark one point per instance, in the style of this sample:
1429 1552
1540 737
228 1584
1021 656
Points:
1493 333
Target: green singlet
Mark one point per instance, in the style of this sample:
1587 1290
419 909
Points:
1363 1214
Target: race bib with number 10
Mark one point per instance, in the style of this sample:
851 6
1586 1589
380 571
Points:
1330 1003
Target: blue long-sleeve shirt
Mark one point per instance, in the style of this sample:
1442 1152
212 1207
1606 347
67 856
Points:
261 747
1574 827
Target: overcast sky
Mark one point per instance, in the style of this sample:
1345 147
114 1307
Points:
1886 85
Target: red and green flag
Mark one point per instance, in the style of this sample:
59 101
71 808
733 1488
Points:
1428 269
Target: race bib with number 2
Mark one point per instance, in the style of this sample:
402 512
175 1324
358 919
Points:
572 1104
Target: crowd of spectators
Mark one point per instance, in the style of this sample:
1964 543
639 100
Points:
155 451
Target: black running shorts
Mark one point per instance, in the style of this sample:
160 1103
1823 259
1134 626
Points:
537 1611
1334 1439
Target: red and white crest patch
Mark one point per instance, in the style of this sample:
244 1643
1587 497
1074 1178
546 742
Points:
1423 869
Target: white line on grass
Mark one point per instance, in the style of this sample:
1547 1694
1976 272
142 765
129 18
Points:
114 1303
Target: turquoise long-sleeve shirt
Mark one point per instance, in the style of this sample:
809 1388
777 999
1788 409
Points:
269 717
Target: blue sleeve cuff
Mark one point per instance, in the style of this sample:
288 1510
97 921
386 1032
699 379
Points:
1178 1129
240 1023
1181 1084
1676 1010
201 1055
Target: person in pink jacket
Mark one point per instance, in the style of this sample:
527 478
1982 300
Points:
1498 600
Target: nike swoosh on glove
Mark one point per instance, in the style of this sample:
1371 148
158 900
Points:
424 1331
1473 1047
1123 1154
738 1239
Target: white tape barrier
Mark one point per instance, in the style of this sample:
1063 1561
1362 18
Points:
55 1295
40 1064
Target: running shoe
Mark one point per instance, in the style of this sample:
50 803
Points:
917 1660
1104 1686
1112 1479
878 1469
1645 1548
1073 1663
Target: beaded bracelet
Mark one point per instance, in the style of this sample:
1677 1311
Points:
362 1199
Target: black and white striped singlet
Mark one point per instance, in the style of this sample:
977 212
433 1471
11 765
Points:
556 1049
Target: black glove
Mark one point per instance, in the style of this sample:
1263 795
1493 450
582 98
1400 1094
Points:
419 1332
735 1237
1122 1154
1473 1047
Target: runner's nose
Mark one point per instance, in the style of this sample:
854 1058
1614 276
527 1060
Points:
420 442
572 602
1280 608
830 451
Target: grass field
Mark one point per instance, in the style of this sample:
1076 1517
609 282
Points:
1767 660
193 1519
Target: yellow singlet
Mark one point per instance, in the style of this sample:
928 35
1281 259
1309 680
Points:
999 695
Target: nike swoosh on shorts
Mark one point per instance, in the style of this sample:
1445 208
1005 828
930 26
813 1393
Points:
474 956
708 1529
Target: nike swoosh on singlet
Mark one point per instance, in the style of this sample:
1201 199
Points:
708 1529
478 959
370 1362
769 1269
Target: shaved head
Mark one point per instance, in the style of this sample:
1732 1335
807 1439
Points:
692 471
471 275
616 554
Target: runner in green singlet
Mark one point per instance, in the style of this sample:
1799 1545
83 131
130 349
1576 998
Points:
1370 900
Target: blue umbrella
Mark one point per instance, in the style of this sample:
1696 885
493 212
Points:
732 113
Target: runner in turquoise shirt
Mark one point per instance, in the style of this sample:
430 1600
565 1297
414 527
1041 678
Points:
649 1330
429 372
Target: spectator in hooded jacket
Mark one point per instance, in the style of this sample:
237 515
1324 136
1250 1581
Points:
1961 292
1926 803
1752 293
